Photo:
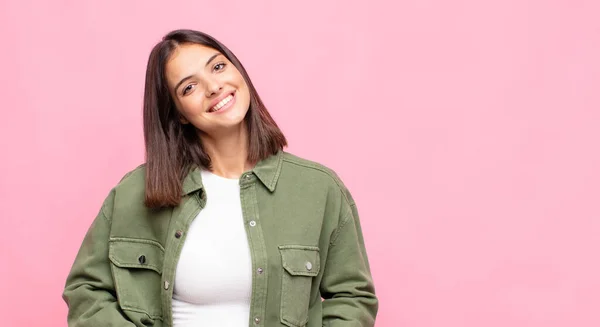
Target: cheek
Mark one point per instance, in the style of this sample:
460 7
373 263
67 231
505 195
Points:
190 105
246 93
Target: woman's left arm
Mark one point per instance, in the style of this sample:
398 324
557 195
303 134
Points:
347 286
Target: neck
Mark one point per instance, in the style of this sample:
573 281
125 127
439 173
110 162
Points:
228 152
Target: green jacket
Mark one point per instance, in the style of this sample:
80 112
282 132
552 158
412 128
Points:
309 262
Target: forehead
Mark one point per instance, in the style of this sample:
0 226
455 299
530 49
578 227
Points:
187 59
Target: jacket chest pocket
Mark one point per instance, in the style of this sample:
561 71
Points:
137 268
300 265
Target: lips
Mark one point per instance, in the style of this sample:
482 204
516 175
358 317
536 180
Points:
221 102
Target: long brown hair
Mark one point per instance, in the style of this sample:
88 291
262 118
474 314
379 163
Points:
173 148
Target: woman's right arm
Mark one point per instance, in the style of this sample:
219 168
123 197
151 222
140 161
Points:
90 290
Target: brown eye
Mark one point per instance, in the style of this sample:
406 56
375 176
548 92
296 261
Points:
219 66
187 89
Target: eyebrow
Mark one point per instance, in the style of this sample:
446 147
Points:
190 76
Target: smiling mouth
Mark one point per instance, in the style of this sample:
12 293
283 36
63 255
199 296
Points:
221 104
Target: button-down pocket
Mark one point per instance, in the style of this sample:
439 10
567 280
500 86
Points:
137 268
300 264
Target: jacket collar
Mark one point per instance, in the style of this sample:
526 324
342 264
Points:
193 181
267 171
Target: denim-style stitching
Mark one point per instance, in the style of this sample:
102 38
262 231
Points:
137 240
328 173
287 267
338 230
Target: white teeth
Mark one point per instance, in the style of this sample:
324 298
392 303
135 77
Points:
221 104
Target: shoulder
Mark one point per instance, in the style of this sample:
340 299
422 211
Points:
133 179
310 170
306 167
129 192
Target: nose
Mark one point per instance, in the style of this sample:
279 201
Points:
213 86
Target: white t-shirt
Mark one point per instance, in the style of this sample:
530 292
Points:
213 280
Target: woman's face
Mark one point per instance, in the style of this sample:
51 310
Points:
209 92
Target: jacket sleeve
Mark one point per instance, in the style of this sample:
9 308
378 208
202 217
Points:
347 286
89 291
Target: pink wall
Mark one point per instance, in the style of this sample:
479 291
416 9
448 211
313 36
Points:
467 131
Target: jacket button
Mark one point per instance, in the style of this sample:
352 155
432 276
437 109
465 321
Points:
259 271
178 234
142 259
166 284
308 266
257 320
252 223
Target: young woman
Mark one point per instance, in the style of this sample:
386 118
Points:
220 226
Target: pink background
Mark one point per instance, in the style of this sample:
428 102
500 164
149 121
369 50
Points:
467 131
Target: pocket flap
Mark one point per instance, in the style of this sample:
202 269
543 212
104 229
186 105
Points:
300 260
136 253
